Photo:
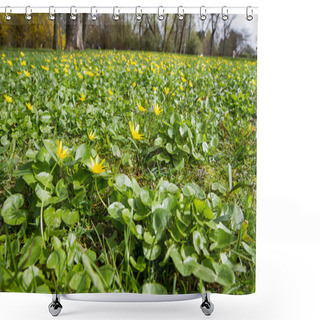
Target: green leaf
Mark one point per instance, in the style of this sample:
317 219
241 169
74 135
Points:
145 196
80 282
57 261
61 190
204 273
218 186
115 210
51 147
70 217
42 194
151 253
169 148
153 288
237 217
198 241
52 217
139 265
82 153
30 253
193 190
225 275
223 237
158 142
186 266
96 280
122 182
160 220
203 209
11 212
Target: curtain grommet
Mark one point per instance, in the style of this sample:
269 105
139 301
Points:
139 15
6 14
203 13
160 15
180 13
116 16
93 15
28 16
52 15
73 14
224 13
249 16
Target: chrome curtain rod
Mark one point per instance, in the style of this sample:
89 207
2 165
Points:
160 10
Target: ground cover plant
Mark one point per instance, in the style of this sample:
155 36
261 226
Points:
127 172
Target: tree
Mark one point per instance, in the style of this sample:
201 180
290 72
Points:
74 33
55 32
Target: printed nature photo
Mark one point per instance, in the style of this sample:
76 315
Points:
128 154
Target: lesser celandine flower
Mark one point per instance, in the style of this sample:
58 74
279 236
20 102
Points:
135 131
82 97
23 63
110 92
22 54
92 135
140 107
62 153
45 68
134 84
95 166
29 106
26 73
8 99
9 63
157 110
166 90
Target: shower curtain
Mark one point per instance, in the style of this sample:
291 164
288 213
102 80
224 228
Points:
128 154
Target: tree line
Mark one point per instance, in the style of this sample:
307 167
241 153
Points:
187 36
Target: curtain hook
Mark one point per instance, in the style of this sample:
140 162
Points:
93 15
28 13
73 15
138 15
249 16
52 15
160 16
6 15
224 13
116 16
203 13
180 13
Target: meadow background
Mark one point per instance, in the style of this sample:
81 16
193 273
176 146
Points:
128 171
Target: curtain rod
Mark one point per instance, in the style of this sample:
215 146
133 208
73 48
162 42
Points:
160 10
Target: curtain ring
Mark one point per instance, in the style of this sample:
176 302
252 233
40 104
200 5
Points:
138 15
224 13
28 13
180 13
52 15
249 16
160 16
73 15
6 15
93 15
116 16
203 13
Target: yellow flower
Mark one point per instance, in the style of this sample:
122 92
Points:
9 63
190 84
23 63
95 166
47 60
82 97
253 82
183 79
45 68
62 153
157 110
29 106
56 70
135 131
92 135
27 73
134 84
18 73
155 88
32 66
80 75
140 107
8 99
166 90
89 73
22 54
110 92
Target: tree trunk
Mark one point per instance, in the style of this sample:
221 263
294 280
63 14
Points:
74 38
85 29
176 36
55 32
